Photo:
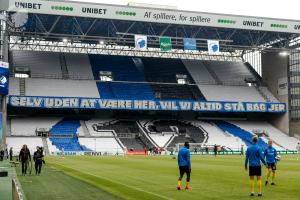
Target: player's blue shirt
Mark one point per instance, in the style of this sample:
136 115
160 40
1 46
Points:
254 155
270 155
184 157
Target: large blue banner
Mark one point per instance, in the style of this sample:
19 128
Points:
4 76
123 104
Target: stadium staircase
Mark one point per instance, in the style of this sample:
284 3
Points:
85 129
22 86
266 98
123 69
45 146
253 71
64 135
241 133
64 68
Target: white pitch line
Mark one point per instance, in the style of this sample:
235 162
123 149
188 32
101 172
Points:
132 187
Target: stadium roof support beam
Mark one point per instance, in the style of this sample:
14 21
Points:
54 24
120 50
90 27
164 30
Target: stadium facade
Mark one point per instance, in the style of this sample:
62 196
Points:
96 77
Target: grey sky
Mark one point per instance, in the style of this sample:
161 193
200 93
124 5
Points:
288 9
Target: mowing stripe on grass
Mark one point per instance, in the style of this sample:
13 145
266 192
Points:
107 184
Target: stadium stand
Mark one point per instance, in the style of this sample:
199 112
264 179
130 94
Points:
41 64
123 68
78 66
63 88
281 140
217 136
27 126
270 97
231 93
199 72
230 72
108 145
115 90
14 86
160 70
52 148
17 142
171 132
239 132
128 133
64 135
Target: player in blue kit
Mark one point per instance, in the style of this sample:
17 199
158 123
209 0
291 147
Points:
184 163
254 156
270 155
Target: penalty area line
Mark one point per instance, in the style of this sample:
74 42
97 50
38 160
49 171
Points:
129 186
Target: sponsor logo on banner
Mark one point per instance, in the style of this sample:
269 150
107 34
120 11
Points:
140 42
213 46
253 23
98 11
35 6
189 44
165 44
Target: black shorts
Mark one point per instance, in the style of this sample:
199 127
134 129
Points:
255 171
271 166
184 169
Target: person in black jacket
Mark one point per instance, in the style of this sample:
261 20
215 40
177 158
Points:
38 158
1 155
216 150
24 158
11 154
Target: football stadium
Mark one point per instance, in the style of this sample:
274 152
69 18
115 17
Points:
146 102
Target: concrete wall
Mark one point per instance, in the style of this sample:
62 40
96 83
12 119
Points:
274 67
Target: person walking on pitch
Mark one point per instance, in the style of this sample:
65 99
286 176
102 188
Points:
184 163
270 156
254 157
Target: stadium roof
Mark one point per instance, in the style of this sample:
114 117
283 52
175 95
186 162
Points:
116 25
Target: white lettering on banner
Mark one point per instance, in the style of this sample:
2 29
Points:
276 108
115 104
256 107
88 103
49 102
174 105
145 105
14 101
207 106
234 107
185 105
168 105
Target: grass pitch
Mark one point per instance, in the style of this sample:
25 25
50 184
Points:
142 178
